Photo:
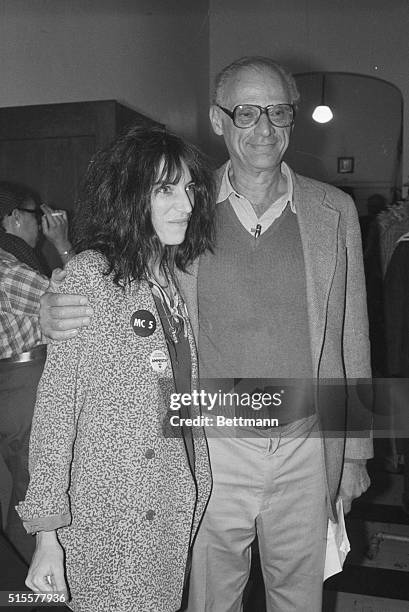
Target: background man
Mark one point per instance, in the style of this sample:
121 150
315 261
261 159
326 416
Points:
22 351
283 295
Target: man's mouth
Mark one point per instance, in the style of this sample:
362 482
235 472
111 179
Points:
263 144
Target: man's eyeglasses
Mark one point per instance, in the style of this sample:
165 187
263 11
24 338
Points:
247 115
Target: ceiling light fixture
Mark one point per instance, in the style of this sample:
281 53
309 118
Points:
322 113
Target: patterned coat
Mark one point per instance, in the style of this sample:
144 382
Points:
119 491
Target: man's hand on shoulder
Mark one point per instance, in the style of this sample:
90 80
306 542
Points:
354 482
62 315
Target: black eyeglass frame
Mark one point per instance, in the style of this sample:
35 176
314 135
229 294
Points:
262 109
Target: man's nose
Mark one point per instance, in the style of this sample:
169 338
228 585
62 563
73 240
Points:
264 126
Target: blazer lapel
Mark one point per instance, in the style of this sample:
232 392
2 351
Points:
318 225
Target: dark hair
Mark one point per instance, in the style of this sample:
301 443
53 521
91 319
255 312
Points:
113 213
256 62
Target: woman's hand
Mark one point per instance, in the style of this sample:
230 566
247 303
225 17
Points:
46 573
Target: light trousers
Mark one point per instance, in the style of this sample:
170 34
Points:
274 488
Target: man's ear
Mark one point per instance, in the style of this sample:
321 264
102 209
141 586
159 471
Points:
11 221
216 119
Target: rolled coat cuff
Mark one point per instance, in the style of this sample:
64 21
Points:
47 523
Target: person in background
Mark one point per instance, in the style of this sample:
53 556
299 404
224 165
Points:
22 351
396 304
115 489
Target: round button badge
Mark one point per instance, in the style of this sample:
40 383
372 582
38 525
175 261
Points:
143 323
159 361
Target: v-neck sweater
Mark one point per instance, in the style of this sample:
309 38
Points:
253 302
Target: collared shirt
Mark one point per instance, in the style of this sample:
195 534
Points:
20 290
243 208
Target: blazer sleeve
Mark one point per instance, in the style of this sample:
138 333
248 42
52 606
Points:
59 400
356 346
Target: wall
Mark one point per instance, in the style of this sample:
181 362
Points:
154 54
366 125
365 37
150 55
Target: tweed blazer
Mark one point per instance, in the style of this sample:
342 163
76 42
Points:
337 311
104 472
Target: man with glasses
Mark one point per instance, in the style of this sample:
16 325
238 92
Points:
281 297
22 349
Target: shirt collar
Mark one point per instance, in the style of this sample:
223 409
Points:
227 189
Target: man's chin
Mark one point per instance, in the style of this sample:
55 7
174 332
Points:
264 162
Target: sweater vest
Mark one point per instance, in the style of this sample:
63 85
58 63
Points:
253 302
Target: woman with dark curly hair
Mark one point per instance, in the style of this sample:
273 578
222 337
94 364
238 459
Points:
116 492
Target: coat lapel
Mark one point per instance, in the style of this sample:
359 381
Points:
318 224
187 282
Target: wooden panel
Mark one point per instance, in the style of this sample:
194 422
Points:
48 147
51 166
125 117
62 120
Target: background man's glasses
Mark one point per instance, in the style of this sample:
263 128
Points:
35 212
247 115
